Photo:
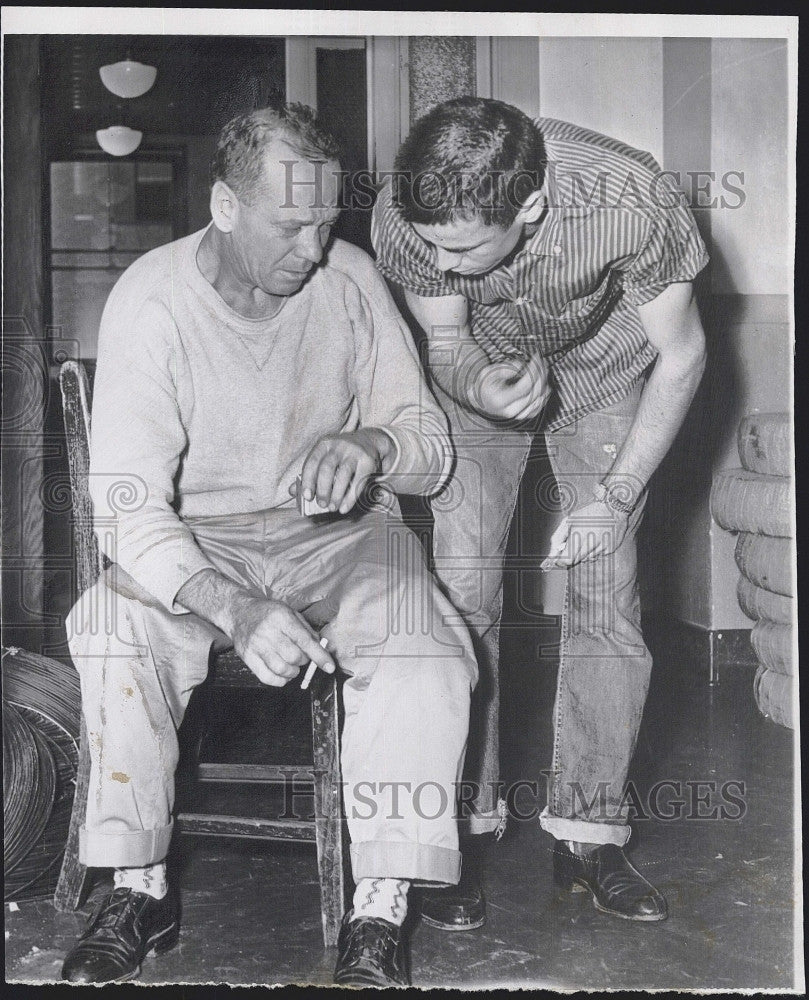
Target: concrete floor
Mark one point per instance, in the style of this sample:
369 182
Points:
251 909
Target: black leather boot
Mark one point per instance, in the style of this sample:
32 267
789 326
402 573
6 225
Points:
124 928
460 907
616 886
371 952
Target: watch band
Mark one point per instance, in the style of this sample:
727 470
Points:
605 495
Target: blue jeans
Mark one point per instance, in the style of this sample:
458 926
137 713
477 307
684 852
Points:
604 666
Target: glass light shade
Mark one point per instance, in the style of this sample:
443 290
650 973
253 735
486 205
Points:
128 78
118 140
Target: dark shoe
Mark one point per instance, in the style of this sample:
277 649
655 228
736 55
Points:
125 927
371 952
616 886
460 907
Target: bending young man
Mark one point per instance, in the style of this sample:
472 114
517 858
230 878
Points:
551 270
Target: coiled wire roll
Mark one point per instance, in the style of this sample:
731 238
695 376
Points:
41 714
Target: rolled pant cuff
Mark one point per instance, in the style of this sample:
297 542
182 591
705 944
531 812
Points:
130 849
582 832
488 822
404 859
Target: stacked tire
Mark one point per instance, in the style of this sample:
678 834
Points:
756 502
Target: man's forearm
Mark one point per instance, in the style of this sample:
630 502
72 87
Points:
455 366
662 409
453 356
510 389
213 597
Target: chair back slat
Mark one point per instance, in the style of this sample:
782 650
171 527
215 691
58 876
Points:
76 412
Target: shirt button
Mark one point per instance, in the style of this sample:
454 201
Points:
557 249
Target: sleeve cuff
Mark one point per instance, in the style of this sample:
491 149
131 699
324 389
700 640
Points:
641 294
165 573
423 462
397 448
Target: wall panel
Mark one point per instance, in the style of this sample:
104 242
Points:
749 134
611 85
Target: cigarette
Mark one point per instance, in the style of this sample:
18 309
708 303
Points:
310 670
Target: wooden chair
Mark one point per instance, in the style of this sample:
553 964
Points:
325 831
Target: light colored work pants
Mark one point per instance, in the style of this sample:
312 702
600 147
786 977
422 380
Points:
363 582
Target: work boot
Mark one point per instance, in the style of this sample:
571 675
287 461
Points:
616 886
371 952
460 907
124 928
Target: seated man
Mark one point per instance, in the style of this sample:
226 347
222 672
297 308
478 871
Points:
232 362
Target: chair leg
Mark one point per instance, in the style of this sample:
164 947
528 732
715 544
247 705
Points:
328 813
192 737
73 874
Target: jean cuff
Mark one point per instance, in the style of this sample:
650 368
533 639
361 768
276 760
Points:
485 823
405 859
488 822
128 849
582 832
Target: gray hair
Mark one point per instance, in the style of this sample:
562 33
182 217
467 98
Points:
238 158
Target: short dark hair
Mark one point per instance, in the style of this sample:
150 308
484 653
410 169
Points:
469 158
238 157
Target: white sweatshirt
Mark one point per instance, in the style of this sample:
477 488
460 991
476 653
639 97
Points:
198 411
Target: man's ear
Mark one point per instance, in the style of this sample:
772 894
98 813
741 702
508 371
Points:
224 207
533 207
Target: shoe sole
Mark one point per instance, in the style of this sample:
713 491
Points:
453 927
364 982
651 919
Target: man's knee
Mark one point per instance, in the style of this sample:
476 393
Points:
476 595
416 631
103 622
598 602
442 680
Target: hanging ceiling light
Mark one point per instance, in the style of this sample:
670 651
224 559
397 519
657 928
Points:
118 140
128 78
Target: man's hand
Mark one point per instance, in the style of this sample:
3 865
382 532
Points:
272 639
275 641
585 534
339 465
511 390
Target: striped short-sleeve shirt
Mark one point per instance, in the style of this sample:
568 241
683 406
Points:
616 232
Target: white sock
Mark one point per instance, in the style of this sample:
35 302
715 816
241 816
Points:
381 897
580 848
151 880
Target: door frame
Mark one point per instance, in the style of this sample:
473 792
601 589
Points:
387 75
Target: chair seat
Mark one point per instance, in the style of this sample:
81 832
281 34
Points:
229 670
254 828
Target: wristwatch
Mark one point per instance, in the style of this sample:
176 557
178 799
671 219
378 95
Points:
606 495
